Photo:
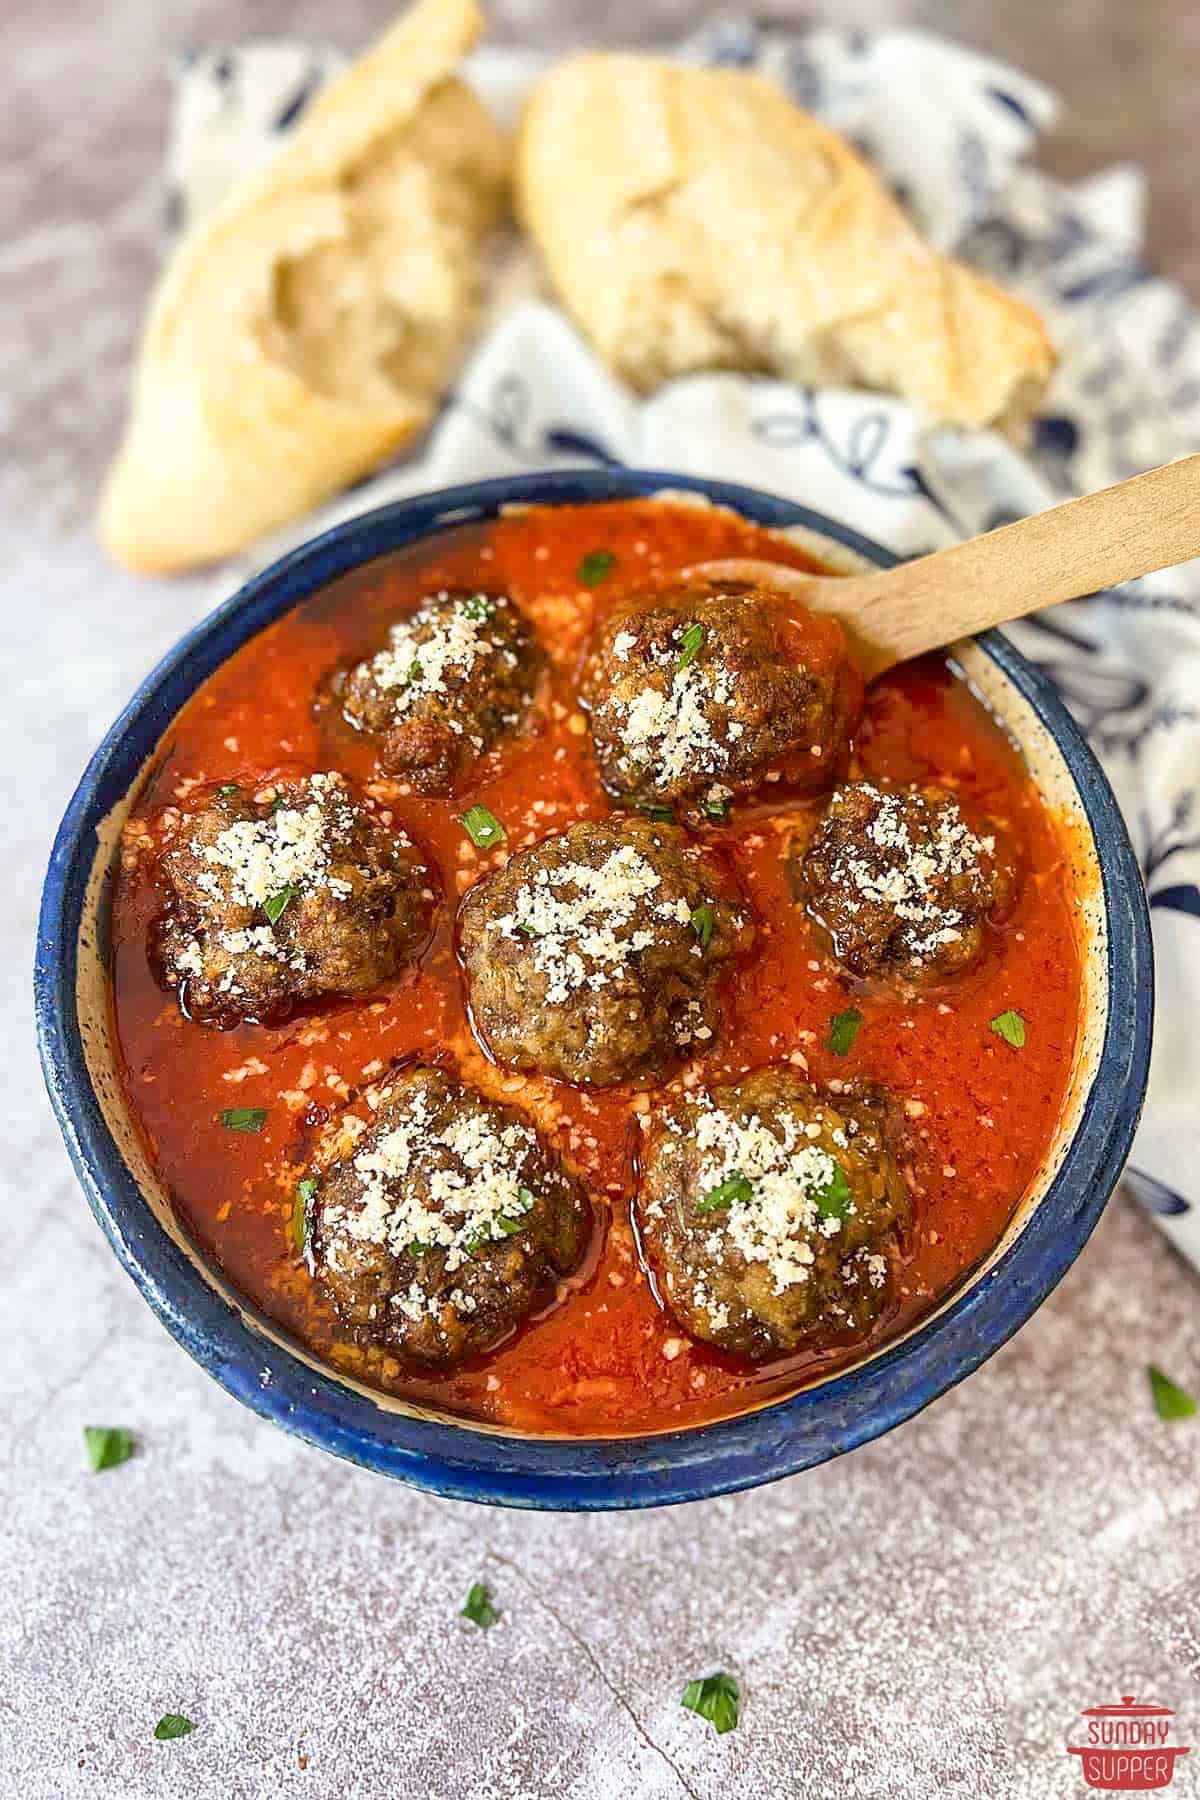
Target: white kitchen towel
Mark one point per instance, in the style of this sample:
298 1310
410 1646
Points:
950 131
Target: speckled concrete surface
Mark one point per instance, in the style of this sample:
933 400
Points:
927 1617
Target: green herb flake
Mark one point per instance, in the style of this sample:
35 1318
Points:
107 1446
413 672
702 922
1011 1027
734 1187
529 931
833 1200
595 566
229 788
843 1029
482 827
716 1698
278 804
172 1725
244 1118
479 1608
478 608
689 645
653 809
716 807
305 1190
278 903
1170 1401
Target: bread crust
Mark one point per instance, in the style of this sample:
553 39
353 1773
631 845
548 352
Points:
697 219
304 332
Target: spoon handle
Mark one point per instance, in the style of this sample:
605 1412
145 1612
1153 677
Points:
1147 523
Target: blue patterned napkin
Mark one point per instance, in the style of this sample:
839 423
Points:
950 131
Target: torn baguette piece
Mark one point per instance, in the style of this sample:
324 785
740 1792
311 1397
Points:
305 331
697 219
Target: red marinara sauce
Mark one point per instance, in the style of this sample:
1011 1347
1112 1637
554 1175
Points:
605 1358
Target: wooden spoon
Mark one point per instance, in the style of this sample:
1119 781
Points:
1131 529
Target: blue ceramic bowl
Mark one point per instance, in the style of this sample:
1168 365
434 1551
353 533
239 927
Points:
254 1361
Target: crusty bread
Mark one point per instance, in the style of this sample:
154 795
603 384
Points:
304 331
696 219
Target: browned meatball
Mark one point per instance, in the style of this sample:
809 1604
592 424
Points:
453 680
279 899
901 883
596 954
702 693
445 1224
770 1215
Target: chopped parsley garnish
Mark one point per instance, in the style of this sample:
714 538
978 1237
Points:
244 1118
278 804
478 608
833 1200
417 1248
229 788
702 922
525 929
479 1608
715 1698
734 1187
413 671
506 1226
172 1725
304 1193
278 903
653 809
482 827
716 807
107 1446
689 645
1170 1401
1011 1027
843 1029
595 566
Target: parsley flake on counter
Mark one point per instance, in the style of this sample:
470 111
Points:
833 1200
734 1187
244 1118
595 566
689 645
277 904
482 827
1170 1401
1011 1027
479 1608
702 922
172 1725
107 1446
716 1698
843 1029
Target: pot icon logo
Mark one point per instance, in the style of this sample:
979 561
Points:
1127 1750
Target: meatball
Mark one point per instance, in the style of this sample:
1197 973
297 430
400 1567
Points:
446 1223
454 679
771 1216
900 882
596 955
701 693
276 900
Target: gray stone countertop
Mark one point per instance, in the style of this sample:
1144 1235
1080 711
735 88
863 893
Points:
925 1617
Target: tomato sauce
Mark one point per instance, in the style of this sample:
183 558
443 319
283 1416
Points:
604 1358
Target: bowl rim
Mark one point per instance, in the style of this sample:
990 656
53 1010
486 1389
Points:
572 1474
